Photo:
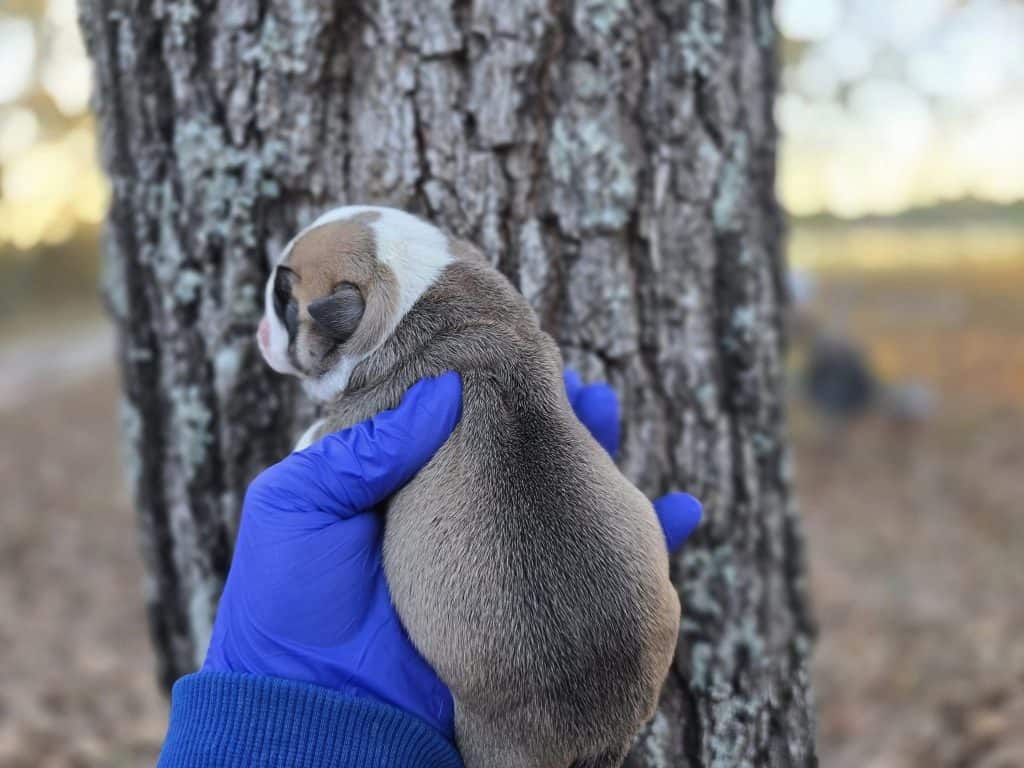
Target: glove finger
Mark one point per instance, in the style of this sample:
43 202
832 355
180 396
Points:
597 406
357 468
679 514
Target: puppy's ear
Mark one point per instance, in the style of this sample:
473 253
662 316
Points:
338 315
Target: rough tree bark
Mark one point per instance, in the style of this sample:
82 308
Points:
614 157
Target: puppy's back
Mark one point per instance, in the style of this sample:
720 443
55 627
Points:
528 570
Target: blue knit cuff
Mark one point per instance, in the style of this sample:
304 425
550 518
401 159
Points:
228 720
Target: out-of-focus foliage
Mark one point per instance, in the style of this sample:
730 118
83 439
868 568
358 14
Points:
886 105
52 193
890 104
51 189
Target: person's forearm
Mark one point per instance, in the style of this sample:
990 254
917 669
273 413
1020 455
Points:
229 720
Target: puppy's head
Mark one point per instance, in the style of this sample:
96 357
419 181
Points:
341 287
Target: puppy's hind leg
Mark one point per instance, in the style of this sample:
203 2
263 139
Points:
611 758
483 744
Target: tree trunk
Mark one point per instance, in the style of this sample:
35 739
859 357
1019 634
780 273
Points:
615 159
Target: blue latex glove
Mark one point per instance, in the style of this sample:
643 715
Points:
306 598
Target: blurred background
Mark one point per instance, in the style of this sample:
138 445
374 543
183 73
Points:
902 169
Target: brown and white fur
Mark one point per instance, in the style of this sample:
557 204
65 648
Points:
528 571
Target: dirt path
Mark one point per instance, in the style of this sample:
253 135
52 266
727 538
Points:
78 686
916 542
36 365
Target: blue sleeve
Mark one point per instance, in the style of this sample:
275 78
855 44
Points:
232 720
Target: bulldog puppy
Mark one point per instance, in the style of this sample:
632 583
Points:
526 568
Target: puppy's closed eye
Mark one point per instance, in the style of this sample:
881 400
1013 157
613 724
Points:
284 303
284 279
338 315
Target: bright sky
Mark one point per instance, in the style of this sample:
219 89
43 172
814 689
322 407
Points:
895 103
886 104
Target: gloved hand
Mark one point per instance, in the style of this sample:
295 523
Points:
306 598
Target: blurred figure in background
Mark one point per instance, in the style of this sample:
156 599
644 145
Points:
837 381
836 377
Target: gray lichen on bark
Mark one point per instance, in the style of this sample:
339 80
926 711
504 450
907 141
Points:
615 159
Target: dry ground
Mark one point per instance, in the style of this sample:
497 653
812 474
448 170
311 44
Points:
78 682
915 536
916 545
916 533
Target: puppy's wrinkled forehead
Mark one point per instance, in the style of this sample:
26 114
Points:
340 251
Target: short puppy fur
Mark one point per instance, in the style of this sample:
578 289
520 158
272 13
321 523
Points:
525 567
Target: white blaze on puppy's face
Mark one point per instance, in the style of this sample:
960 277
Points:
411 252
